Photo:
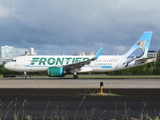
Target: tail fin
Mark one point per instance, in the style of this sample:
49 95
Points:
139 49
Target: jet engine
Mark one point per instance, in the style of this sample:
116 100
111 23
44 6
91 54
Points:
55 71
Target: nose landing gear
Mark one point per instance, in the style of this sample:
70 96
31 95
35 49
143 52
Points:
25 75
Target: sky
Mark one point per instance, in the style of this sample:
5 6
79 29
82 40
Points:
54 27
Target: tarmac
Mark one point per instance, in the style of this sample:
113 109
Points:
50 83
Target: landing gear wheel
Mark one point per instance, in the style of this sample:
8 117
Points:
24 77
75 76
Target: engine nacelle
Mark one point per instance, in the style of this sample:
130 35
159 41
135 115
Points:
55 71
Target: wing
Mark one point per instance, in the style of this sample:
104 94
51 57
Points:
80 64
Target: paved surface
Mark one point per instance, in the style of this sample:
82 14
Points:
78 83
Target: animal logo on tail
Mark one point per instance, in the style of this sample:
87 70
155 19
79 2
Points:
137 53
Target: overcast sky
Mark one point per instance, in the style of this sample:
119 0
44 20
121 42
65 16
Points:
71 26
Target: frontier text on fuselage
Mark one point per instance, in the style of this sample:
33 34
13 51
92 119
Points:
57 61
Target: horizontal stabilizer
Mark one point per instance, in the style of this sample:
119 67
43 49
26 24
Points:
145 60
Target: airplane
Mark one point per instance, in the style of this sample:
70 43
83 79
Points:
61 65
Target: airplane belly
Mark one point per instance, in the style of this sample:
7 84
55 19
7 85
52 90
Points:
26 68
101 68
83 69
20 68
37 68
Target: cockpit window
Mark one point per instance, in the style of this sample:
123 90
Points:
13 60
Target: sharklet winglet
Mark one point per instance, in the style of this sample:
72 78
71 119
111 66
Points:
98 53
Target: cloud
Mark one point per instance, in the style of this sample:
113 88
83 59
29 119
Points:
120 49
4 12
19 51
65 27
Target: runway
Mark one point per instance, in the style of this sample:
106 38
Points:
50 83
67 95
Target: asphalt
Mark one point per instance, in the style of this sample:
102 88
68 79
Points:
45 83
41 96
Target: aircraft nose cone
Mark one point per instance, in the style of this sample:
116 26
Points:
6 66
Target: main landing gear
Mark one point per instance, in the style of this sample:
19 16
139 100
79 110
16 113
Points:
75 76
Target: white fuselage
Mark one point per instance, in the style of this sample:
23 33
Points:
41 63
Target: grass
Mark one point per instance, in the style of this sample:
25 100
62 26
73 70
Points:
98 76
103 76
57 113
60 113
89 93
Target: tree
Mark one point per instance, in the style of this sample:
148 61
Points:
156 67
4 71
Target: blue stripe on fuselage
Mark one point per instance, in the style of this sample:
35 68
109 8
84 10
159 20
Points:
106 66
98 66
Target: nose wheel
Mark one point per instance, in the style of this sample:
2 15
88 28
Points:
25 75
75 76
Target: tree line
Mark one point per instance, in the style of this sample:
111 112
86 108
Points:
152 68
